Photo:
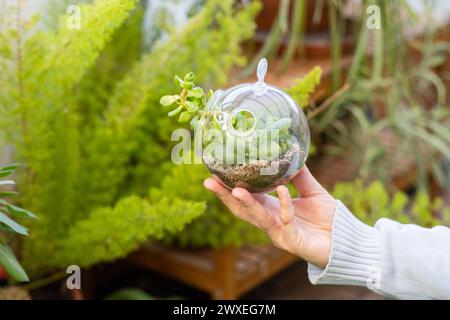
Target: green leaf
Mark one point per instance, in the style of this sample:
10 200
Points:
178 81
16 211
7 193
175 112
5 228
192 106
284 123
189 77
9 262
11 167
129 294
185 116
189 84
4 219
5 173
167 100
197 92
249 123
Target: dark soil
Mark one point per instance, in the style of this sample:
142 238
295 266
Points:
248 175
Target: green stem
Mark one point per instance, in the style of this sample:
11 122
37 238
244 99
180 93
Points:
378 55
361 46
336 45
296 32
273 39
389 37
44 281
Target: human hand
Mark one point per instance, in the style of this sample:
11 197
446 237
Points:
301 226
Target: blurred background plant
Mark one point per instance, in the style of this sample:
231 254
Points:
91 155
395 89
367 201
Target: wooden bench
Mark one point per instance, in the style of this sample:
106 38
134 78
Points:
224 273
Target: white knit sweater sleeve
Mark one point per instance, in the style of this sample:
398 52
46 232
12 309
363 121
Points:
392 259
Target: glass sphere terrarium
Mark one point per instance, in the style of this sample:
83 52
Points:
253 135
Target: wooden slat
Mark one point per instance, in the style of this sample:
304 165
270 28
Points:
274 265
170 264
230 272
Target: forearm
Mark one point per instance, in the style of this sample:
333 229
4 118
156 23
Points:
395 260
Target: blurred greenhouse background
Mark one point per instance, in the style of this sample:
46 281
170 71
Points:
80 112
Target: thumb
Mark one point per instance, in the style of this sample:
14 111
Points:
306 184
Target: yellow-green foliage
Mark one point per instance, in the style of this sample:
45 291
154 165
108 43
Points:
373 202
217 227
43 119
83 113
302 88
84 117
129 223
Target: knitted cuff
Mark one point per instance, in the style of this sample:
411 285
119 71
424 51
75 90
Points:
354 258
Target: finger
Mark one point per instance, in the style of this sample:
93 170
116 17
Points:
286 208
214 186
225 195
245 197
254 209
306 184
271 203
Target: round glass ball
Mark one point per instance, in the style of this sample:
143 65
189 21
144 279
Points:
255 136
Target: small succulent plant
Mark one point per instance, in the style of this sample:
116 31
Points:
259 141
191 104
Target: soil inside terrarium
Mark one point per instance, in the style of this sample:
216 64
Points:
249 175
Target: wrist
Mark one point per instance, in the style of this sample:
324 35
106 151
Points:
319 244
318 253
354 253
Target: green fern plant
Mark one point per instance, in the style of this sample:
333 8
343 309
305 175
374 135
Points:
144 221
216 228
92 155
302 89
